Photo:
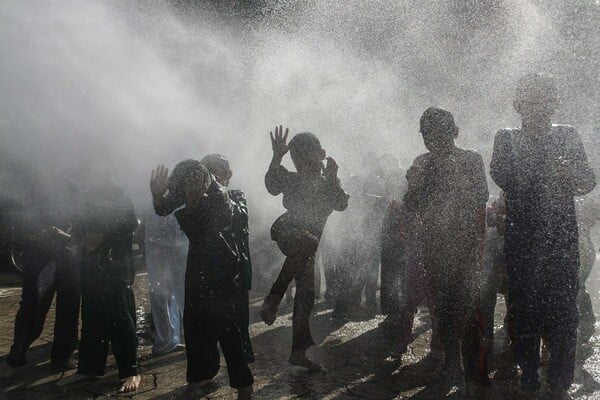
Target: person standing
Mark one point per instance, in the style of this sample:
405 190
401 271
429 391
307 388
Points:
541 167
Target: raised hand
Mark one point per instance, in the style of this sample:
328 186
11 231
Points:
159 181
331 169
279 143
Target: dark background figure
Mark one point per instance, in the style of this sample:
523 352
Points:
210 284
310 195
238 235
588 215
105 233
393 251
447 188
374 199
348 260
166 249
35 219
494 279
541 167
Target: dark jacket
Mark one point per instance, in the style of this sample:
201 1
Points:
212 263
309 199
540 179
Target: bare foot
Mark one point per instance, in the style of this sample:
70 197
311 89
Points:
299 359
245 393
268 312
69 380
131 384
192 390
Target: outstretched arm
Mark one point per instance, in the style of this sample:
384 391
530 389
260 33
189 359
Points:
163 203
276 178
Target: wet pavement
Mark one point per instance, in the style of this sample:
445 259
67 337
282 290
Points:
354 354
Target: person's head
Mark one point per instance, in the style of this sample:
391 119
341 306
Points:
438 130
536 97
306 152
218 165
189 177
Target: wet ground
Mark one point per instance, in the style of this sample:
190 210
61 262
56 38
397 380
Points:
354 354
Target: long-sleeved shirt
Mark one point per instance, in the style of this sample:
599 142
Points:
308 198
449 193
108 212
211 260
540 177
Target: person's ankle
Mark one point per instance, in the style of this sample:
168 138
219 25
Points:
245 393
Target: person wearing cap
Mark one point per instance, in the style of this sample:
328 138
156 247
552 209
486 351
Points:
542 167
447 190
310 195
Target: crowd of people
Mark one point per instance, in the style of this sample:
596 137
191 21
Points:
432 235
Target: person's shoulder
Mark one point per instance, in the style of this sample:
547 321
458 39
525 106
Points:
564 130
507 133
469 154
421 159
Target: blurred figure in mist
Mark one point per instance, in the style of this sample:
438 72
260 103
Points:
348 258
374 200
166 248
238 234
310 195
541 167
36 218
447 189
588 215
494 271
392 248
104 233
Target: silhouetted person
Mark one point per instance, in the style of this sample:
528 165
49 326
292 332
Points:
38 226
310 195
494 271
392 230
105 233
210 280
541 167
588 215
166 249
238 234
447 189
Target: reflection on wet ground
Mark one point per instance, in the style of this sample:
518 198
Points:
354 354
